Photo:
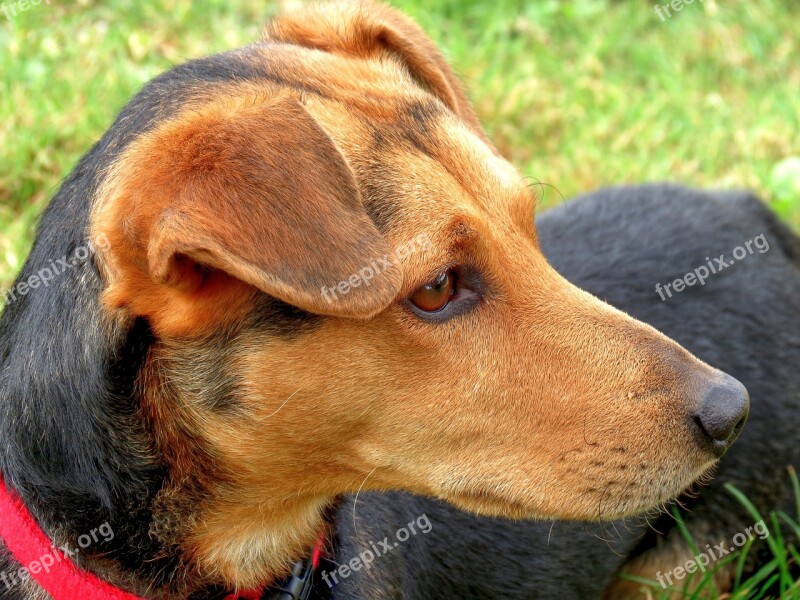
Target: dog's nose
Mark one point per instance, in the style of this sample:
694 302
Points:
722 413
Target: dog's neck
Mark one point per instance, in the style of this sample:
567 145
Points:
224 530
150 521
244 544
40 558
50 566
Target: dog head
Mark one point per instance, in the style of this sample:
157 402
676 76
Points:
347 293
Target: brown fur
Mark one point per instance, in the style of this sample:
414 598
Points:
540 402
670 553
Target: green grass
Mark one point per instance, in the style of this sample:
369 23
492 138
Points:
577 94
775 574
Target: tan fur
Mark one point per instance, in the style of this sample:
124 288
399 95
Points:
540 402
664 558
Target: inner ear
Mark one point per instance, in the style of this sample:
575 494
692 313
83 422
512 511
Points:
249 187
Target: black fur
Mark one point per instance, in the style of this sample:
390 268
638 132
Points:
618 243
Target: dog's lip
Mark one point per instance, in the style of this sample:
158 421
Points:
701 476
490 501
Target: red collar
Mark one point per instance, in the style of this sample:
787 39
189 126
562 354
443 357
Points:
53 570
47 565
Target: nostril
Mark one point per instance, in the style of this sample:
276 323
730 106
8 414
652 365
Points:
739 426
723 412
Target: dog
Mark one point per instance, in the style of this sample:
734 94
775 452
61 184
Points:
618 243
296 271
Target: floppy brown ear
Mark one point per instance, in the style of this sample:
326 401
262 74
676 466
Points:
245 190
365 29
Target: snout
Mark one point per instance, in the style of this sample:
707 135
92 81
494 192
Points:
722 413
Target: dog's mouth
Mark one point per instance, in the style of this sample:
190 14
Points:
603 503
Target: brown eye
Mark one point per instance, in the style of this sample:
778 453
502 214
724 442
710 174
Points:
434 296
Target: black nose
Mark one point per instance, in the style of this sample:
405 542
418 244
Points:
722 414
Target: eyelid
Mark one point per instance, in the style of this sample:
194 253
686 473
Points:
433 275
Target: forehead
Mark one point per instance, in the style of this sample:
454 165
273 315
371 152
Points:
423 160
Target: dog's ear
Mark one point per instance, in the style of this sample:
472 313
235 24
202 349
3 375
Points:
248 190
366 29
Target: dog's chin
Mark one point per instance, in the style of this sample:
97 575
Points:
656 501
603 507
489 505
484 506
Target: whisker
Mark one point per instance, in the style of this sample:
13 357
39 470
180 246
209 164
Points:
355 502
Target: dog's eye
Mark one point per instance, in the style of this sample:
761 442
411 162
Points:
433 297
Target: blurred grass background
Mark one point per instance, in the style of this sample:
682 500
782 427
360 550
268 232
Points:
577 94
